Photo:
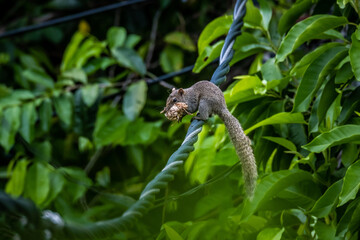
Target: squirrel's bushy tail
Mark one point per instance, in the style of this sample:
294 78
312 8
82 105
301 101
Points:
243 149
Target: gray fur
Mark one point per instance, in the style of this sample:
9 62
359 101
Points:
208 99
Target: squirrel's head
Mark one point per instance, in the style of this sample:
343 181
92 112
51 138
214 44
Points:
176 95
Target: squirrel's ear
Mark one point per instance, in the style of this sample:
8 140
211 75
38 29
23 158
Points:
181 91
173 89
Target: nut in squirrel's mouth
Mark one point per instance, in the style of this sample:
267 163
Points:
176 112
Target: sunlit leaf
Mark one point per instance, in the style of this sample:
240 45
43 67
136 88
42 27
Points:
283 142
171 233
15 186
271 234
336 136
280 118
246 89
209 54
216 28
71 49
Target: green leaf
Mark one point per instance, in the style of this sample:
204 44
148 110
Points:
140 132
28 118
71 49
209 54
350 154
171 59
89 94
64 108
132 40
135 99
270 70
57 183
328 96
45 115
10 124
283 142
40 77
343 225
171 233
303 194
135 154
315 75
266 13
351 183
128 58
110 127
246 45
336 136
181 40
103 177
116 37
354 53
344 74
248 88
349 106
306 30
270 186
38 182
300 67
342 3
79 182
216 28
289 18
279 118
76 74
270 234
325 231
253 18
15 185
327 202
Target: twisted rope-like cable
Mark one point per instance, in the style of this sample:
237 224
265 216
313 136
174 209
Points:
105 228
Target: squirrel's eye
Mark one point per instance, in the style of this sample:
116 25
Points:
174 100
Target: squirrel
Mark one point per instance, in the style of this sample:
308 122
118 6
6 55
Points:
207 98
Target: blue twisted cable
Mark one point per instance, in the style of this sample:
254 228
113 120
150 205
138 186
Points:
110 227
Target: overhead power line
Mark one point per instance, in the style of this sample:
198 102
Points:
57 21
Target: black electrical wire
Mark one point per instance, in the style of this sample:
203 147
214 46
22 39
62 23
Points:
69 18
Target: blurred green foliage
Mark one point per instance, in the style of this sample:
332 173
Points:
81 133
